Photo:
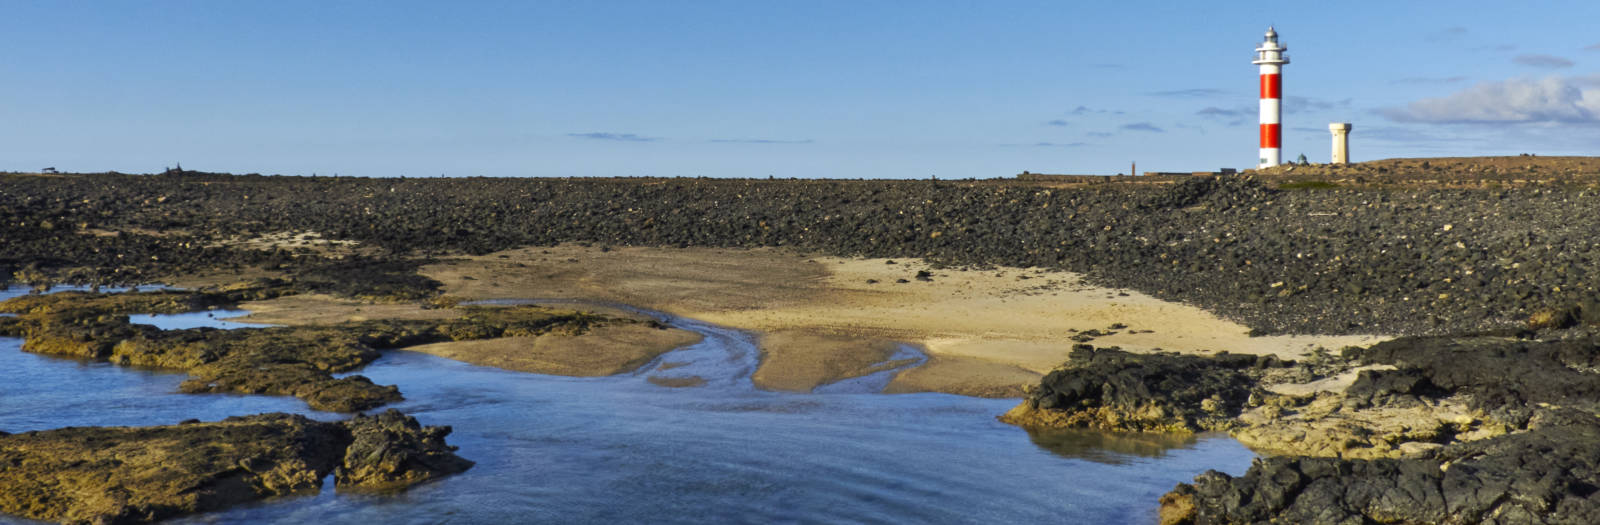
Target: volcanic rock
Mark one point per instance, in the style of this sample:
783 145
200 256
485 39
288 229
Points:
1116 390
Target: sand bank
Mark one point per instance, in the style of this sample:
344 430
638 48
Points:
602 351
830 318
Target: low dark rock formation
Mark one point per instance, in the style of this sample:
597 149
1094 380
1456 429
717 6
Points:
1505 377
392 451
1116 390
1465 468
129 475
1400 388
1550 474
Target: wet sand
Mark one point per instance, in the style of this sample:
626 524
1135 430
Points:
830 318
602 351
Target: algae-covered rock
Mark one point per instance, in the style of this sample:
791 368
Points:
391 450
296 361
124 474
142 474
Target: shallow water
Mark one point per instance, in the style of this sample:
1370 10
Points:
555 449
210 318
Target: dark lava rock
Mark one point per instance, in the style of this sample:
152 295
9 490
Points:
1546 471
1503 376
1548 475
1390 388
391 450
1116 390
1335 260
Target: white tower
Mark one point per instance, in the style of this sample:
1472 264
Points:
1341 141
1270 56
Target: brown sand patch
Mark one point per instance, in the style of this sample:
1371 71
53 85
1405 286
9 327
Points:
1022 317
965 376
603 351
799 361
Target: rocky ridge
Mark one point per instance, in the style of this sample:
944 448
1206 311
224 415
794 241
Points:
1326 259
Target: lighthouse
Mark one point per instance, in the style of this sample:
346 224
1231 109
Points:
1270 56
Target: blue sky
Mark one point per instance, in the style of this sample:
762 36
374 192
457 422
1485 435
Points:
790 89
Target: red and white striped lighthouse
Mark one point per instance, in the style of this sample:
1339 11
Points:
1271 59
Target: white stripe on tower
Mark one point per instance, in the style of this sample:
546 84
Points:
1271 59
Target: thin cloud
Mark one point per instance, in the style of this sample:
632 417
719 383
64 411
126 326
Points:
1057 122
1085 110
1429 80
1188 93
1143 126
1544 61
1295 104
1099 134
761 141
1498 48
1446 34
1216 112
621 137
1553 99
1403 135
1229 117
1059 145
1595 47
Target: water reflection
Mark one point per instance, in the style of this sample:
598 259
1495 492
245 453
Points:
1113 448
207 319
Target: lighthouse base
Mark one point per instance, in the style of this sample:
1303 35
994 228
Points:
1270 157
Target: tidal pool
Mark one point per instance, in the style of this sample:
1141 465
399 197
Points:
621 448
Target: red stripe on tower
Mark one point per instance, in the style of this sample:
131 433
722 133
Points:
1271 86
1271 136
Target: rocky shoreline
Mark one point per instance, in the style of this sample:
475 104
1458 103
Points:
1466 429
